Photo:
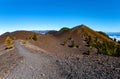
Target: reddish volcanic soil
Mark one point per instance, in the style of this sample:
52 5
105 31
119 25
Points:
48 58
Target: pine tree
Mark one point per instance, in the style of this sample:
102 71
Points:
8 41
73 44
34 37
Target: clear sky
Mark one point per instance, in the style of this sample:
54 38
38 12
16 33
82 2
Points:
101 15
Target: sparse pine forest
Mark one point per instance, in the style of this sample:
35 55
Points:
111 48
105 47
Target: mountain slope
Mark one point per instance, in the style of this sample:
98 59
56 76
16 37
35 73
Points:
93 33
18 35
81 31
75 41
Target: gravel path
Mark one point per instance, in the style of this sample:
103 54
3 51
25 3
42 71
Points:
34 66
38 65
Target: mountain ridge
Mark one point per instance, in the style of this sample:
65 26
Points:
81 37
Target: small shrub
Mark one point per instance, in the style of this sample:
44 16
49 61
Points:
77 46
65 42
114 39
10 46
27 38
30 38
34 37
73 44
87 53
8 43
70 38
90 41
23 41
118 50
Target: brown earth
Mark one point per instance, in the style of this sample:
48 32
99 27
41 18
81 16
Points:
53 60
52 41
9 59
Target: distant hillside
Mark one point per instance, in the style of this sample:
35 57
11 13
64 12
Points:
18 35
94 34
23 34
73 41
86 38
81 31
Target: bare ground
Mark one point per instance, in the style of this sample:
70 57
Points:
38 64
94 66
34 66
9 59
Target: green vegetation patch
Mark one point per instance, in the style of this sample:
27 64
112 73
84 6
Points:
9 43
64 29
104 47
34 37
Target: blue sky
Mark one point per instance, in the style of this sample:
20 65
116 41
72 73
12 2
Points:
101 15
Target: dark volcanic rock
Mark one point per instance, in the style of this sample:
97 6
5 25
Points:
90 67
